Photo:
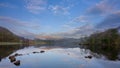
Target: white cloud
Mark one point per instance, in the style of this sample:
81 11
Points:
35 6
82 19
63 7
57 9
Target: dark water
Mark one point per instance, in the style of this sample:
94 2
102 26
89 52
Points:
54 57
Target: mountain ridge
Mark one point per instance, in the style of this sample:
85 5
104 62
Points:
7 36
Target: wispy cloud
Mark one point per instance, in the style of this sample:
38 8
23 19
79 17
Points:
35 6
76 32
7 5
17 22
47 36
111 21
24 33
104 7
82 19
63 7
57 9
10 20
19 27
77 22
110 10
78 27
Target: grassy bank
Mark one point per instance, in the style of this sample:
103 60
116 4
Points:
10 43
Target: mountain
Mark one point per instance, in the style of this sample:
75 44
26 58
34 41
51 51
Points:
110 36
7 36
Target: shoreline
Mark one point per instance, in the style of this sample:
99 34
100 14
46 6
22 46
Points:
10 43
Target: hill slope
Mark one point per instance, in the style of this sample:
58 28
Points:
8 36
108 37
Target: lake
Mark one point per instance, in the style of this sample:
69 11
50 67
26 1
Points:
53 57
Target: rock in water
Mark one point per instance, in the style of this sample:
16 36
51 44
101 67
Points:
18 54
90 57
17 63
12 58
42 51
35 52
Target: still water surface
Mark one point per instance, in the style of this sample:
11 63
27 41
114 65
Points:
56 57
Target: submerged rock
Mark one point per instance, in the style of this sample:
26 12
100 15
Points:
12 57
35 52
68 53
17 63
18 54
90 57
42 51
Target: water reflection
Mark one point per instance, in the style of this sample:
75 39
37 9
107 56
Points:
0 59
6 50
53 57
111 53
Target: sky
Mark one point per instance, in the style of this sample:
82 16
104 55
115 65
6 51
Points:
55 19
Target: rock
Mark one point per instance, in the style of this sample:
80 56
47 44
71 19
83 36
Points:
17 63
68 53
18 54
35 52
12 58
90 57
42 51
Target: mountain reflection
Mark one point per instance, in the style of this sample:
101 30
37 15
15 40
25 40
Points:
6 50
46 55
112 54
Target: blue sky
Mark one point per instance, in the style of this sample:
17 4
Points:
47 19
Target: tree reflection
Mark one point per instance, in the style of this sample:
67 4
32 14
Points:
110 53
6 50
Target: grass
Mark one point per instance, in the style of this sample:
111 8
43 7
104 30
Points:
10 43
